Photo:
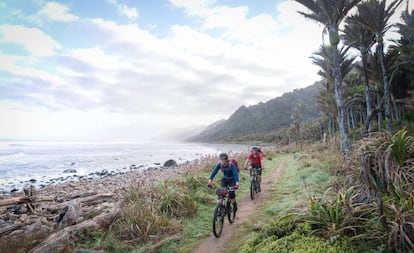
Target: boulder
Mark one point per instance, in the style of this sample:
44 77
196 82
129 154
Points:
170 164
70 171
71 216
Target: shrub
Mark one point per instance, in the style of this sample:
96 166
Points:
177 202
298 243
340 216
280 227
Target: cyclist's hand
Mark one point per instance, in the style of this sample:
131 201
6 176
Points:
210 184
236 186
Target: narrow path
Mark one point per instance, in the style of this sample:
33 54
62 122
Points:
246 210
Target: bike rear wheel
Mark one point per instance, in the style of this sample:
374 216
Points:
231 211
218 220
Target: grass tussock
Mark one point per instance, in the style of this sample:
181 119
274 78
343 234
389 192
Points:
153 212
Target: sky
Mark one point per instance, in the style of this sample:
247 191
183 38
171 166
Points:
112 70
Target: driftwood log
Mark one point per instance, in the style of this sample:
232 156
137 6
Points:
14 201
90 200
57 239
24 199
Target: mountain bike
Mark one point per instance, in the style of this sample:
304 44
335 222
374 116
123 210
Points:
223 207
254 184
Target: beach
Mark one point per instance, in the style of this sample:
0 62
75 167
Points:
40 164
47 209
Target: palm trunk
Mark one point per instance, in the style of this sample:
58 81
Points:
345 144
368 124
387 96
378 107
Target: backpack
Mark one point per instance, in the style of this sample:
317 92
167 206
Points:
233 161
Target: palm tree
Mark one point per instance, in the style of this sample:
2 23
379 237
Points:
330 14
374 16
405 48
325 98
359 37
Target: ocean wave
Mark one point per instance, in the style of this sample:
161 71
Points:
11 155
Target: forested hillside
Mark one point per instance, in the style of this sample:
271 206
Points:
272 115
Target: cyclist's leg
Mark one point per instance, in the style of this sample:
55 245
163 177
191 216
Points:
259 178
223 182
232 194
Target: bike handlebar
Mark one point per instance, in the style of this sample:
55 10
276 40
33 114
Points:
230 188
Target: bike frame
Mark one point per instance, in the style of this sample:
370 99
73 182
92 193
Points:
253 181
223 207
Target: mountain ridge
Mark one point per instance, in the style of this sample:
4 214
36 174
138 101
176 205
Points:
263 117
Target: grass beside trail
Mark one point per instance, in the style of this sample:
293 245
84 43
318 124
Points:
301 178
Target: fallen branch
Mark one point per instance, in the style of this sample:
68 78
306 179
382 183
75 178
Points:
15 201
57 239
8 229
153 247
25 199
86 201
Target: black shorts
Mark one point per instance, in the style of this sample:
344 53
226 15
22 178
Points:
229 182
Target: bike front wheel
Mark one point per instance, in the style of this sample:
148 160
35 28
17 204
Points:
218 220
252 188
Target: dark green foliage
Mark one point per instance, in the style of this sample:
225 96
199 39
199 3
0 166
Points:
340 216
286 234
298 243
280 227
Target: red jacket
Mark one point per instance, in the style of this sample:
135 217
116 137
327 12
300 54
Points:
255 159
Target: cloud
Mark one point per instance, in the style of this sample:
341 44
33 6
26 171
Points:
130 13
57 12
33 40
193 75
125 10
133 71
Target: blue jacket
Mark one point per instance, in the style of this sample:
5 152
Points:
228 173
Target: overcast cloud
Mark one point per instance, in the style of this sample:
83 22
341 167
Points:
127 71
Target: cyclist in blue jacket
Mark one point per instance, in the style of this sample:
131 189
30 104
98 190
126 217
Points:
230 176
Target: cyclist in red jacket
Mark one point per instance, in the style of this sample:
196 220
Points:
255 159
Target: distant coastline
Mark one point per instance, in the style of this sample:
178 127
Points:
25 164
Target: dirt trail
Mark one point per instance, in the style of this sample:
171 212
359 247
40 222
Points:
246 210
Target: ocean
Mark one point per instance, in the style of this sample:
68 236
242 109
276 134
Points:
42 163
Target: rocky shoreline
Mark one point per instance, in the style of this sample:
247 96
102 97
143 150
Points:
54 207
18 188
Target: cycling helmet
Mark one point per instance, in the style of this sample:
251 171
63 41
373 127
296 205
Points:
254 148
223 156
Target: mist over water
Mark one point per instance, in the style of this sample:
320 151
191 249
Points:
40 162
